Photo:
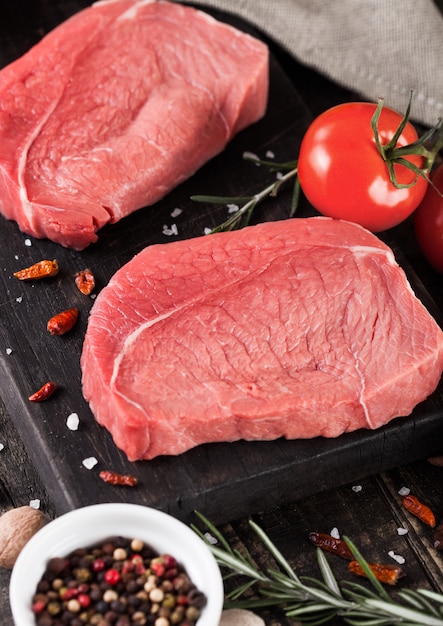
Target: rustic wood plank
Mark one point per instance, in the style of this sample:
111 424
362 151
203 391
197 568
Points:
19 485
213 478
369 512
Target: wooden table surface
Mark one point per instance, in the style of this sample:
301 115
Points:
368 511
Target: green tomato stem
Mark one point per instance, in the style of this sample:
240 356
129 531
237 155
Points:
426 146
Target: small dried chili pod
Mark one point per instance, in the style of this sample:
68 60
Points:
436 460
63 322
85 281
331 544
43 393
113 478
420 510
388 574
42 269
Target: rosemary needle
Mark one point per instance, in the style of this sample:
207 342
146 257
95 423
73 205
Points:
318 601
242 216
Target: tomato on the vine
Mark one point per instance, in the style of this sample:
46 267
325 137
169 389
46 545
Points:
343 175
428 221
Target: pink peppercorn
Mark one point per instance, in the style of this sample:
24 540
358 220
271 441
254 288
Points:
158 569
38 606
169 561
139 569
171 573
182 600
84 600
127 567
68 594
98 565
137 560
112 576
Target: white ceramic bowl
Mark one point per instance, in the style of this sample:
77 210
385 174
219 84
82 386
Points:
85 526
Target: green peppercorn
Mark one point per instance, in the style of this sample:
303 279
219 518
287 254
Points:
169 601
54 608
83 575
192 613
177 615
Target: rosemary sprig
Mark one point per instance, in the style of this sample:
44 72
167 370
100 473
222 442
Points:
314 601
243 215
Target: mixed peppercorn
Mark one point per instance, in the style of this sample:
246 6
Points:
118 582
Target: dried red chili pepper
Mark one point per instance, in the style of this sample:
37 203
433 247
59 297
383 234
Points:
436 460
331 544
388 574
118 479
42 269
420 510
63 322
43 393
85 281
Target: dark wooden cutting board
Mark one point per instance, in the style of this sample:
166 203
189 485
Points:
224 481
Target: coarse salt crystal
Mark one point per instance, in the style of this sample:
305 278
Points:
279 175
73 421
404 491
251 155
35 504
19 299
402 531
176 212
399 559
16 257
2 446
28 242
207 231
173 230
210 539
270 154
357 488
335 533
8 350
89 462
233 208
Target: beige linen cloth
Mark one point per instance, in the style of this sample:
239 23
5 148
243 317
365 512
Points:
373 47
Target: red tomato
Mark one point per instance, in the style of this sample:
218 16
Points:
428 222
343 175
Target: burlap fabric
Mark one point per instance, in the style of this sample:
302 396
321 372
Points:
374 47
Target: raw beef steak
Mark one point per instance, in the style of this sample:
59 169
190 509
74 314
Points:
296 329
117 106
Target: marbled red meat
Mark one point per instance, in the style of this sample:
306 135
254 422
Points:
299 328
116 107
